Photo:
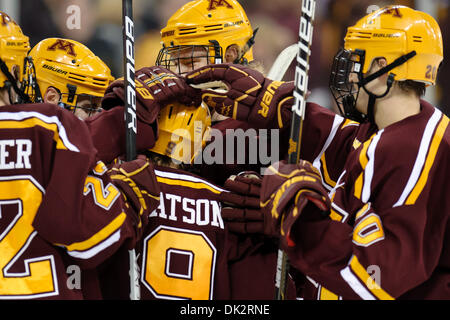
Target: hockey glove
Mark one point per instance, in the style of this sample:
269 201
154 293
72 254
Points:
155 88
285 193
137 182
249 96
241 210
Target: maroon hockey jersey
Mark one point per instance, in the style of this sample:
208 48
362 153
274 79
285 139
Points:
59 213
389 232
187 251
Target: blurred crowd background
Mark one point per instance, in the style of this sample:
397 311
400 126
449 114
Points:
101 30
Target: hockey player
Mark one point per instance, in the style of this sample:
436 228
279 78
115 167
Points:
384 166
67 73
187 251
206 32
56 223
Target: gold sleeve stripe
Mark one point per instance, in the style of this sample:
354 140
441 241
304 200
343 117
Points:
97 238
326 175
368 282
33 122
358 186
429 161
363 160
189 184
337 121
429 134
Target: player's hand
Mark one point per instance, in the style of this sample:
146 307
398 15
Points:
137 182
291 190
155 88
249 95
241 210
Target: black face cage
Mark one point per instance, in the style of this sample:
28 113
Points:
169 57
344 91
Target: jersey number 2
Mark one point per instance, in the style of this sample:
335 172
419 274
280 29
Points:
38 279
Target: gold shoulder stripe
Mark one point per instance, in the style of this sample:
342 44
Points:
188 184
33 122
443 124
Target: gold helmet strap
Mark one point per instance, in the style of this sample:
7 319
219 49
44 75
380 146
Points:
23 97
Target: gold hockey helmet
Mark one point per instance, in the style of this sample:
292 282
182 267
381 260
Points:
14 46
70 67
409 40
182 131
394 31
213 25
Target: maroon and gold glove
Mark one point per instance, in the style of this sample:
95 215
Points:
250 96
155 88
286 190
137 182
241 206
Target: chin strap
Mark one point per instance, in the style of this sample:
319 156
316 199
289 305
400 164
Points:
390 81
373 97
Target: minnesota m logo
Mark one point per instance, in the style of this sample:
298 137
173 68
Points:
5 19
213 4
63 45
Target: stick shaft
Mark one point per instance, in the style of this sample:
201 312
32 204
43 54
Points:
130 118
129 75
298 114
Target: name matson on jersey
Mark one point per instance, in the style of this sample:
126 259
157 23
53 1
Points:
188 209
15 154
200 212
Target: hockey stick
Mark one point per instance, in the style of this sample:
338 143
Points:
282 62
130 118
298 114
